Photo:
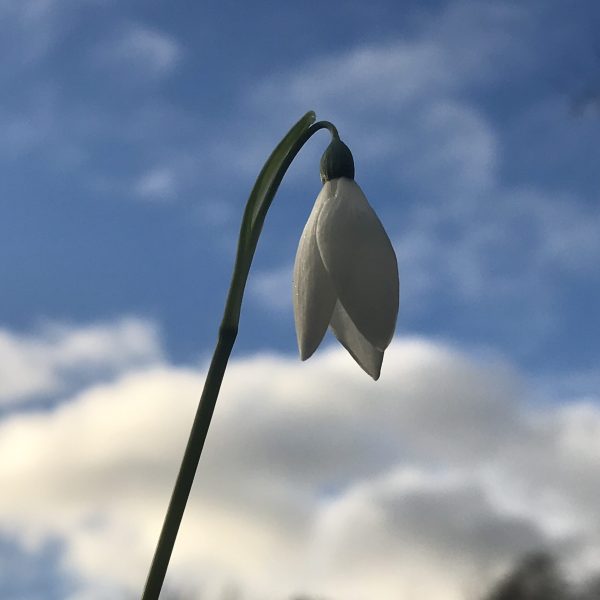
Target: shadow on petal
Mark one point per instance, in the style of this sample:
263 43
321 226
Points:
314 294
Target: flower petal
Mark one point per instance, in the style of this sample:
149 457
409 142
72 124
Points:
365 354
314 294
360 260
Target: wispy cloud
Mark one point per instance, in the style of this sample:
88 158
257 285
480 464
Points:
29 29
140 51
156 185
273 288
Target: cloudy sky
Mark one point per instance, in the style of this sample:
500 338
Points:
132 132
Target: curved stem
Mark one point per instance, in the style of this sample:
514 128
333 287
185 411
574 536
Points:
252 226
249 233
326 125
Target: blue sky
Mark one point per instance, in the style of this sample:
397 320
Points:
133 132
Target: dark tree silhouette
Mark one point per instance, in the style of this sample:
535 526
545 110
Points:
590 590
536 577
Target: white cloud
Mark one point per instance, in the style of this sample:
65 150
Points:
405 99
156 184
29 29
141 51
45 361
568 232
408 69
272 288
401 99
425 484
456 47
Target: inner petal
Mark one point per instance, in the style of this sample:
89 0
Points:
361 350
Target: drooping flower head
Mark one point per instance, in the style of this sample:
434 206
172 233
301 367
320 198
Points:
346 273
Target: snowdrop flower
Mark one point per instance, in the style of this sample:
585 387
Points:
345 273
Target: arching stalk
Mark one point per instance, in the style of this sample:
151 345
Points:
257 206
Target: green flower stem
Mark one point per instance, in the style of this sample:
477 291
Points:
258 204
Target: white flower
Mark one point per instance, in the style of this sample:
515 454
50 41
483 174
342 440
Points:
346 276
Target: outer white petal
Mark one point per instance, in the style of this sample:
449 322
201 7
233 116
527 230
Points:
314 294
360 259
366 355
